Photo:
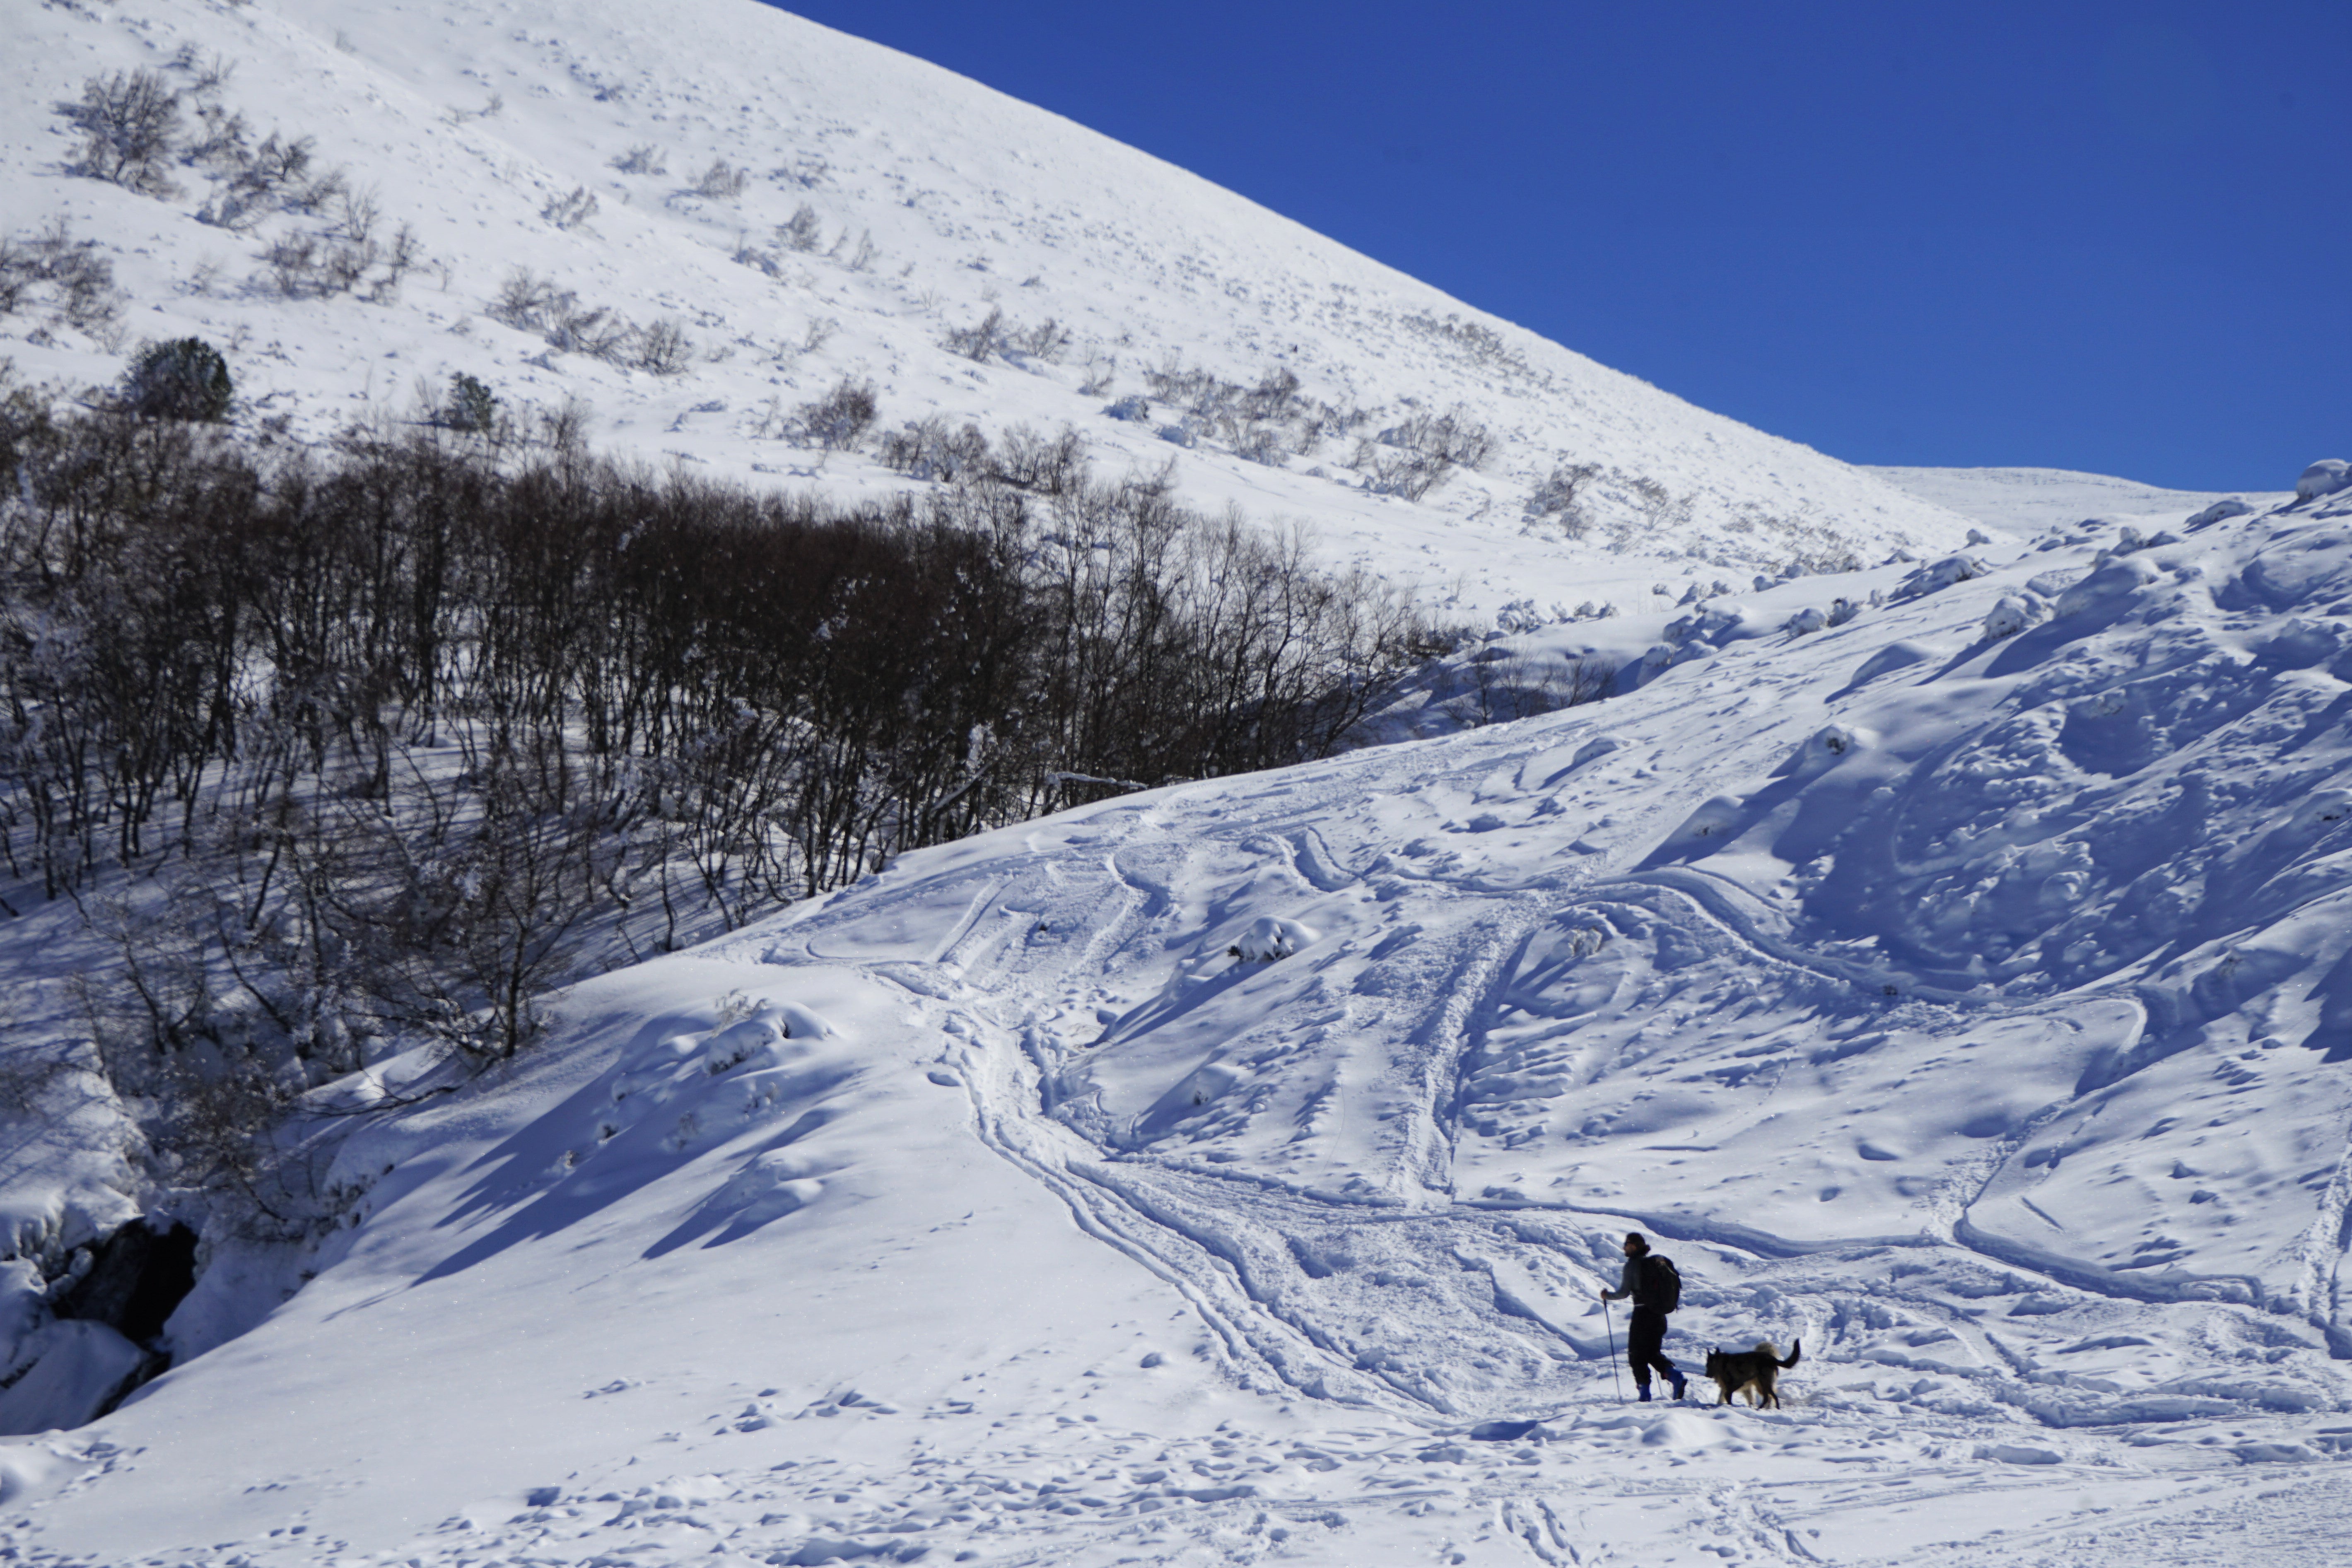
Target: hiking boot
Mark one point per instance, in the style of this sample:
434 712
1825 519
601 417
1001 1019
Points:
1680 1382
1645 1392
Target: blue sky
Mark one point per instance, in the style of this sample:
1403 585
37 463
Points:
2115 238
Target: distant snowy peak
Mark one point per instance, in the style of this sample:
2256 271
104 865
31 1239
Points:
698 219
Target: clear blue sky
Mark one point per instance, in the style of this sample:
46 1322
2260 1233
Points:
2107 237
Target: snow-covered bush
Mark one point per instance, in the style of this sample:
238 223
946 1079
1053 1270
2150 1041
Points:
571 210
643 159
996 335
185 378
839 420
802 231
722 181
1043 465
130 122
2012 615
1556 497
981 341
932 449
1412 458
2217 512
470 405
72 276
662 347
1269 937
1938 576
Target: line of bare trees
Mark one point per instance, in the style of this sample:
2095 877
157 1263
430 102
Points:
387 742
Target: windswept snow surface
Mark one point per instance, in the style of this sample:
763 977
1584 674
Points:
934 201
2024 500
1190 1178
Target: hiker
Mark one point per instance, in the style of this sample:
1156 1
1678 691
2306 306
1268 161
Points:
1656 1290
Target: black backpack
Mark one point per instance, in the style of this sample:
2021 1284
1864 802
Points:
1663 1287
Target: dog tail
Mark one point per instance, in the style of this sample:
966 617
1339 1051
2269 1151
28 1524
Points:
1796 1351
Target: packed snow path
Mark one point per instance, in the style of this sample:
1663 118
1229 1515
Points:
1188 1178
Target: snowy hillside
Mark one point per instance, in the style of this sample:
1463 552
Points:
1959 990
1948 960
699 220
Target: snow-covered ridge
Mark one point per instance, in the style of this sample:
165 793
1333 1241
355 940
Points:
805 207
2024 500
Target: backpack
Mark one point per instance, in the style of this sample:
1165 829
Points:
1663 1286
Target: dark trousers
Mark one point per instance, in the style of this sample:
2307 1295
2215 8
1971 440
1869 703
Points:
1644 1338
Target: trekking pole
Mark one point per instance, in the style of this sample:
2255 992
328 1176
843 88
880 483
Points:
1614 1381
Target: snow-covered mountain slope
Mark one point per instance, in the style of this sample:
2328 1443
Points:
1963 991
2027 501
876 207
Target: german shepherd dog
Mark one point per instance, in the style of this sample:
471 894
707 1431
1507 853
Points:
1756 1371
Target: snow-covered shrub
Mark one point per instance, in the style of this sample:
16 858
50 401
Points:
995 335
1556 497
802 231
1938 576
1522 616
573 327
185 378
2113 579
1269 937
71 276
2219 511
662 347
1046 341
1824 749
1264 443
722 181
573 210
1412 458
839 420
1133 409
642 159
1808 619
2013 614
305 265
982 340
130 122
256 182
1044 465
930 448
523 300
470 405
2324 478
1272 397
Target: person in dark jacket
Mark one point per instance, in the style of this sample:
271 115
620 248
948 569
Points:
1648 1281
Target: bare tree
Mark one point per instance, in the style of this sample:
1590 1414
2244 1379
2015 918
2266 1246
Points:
130 122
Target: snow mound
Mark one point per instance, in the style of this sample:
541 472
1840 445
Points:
2324 478
1268 938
